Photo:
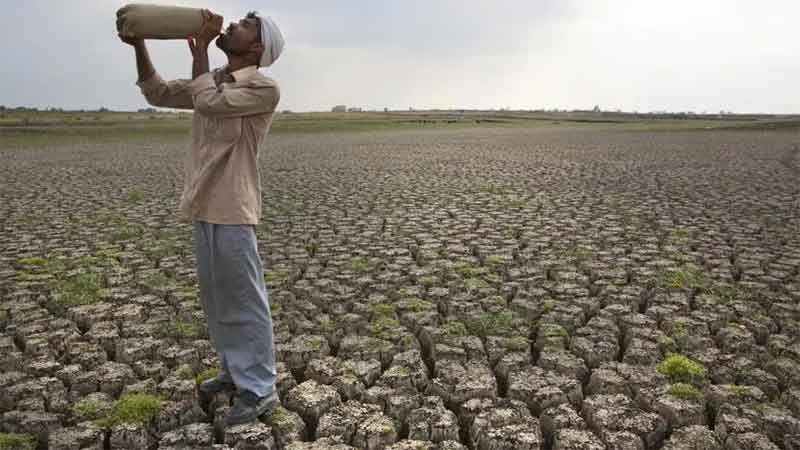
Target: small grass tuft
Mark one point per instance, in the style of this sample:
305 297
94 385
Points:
679 329
467 270
127 231
473 284
381 310
185 372
418 305
312 248
685 391
133 409
681 369
280 416
32 261
494 189
726 293
555 331
14 441
187 329
454 328
82 289
87 408
493 260
429 281
491 323
359 264
579 253
516 344
383 327
206 375
679 236
740 389
135 196
687 276
666 344
276 276
157 279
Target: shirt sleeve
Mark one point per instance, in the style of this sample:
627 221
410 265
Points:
234 101
167 94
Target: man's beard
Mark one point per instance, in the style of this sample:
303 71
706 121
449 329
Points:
223 43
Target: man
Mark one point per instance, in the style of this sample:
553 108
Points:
233 107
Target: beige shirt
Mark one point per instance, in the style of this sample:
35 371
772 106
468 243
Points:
222 183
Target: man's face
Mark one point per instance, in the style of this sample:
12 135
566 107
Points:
240 36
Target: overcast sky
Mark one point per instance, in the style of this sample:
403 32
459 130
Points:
677 55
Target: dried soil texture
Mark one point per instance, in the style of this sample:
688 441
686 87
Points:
447 289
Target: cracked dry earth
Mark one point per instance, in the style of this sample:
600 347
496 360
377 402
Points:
471 289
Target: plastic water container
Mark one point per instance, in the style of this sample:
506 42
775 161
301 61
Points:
158 22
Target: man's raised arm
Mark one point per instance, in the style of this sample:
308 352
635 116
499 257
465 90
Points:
171 94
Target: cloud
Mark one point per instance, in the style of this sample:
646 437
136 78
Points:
678 55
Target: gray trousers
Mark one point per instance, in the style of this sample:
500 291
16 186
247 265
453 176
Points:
236 304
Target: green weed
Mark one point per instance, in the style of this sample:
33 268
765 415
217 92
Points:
206 375
685 391
688 276
134 409
82 289
681 369
14 441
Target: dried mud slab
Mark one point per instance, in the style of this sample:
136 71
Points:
506 288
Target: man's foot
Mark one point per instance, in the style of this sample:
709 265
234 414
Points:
248 407
215 385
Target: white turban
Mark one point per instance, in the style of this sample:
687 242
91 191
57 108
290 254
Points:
272 39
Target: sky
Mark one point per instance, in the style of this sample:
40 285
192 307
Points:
633 55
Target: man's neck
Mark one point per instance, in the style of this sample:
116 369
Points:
236 62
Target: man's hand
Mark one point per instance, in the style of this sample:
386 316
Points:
130 40
133 41
212 26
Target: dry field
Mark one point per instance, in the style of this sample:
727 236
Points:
552 287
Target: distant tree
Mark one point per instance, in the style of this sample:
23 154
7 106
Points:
2 107
103 109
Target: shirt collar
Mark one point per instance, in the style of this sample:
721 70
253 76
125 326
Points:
243 74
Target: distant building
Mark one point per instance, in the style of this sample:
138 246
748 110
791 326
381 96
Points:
339 108
353 109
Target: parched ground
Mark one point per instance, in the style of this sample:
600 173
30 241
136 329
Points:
510 288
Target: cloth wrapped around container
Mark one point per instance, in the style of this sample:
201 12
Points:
159 22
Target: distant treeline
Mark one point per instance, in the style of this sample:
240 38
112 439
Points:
102 109
595 113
